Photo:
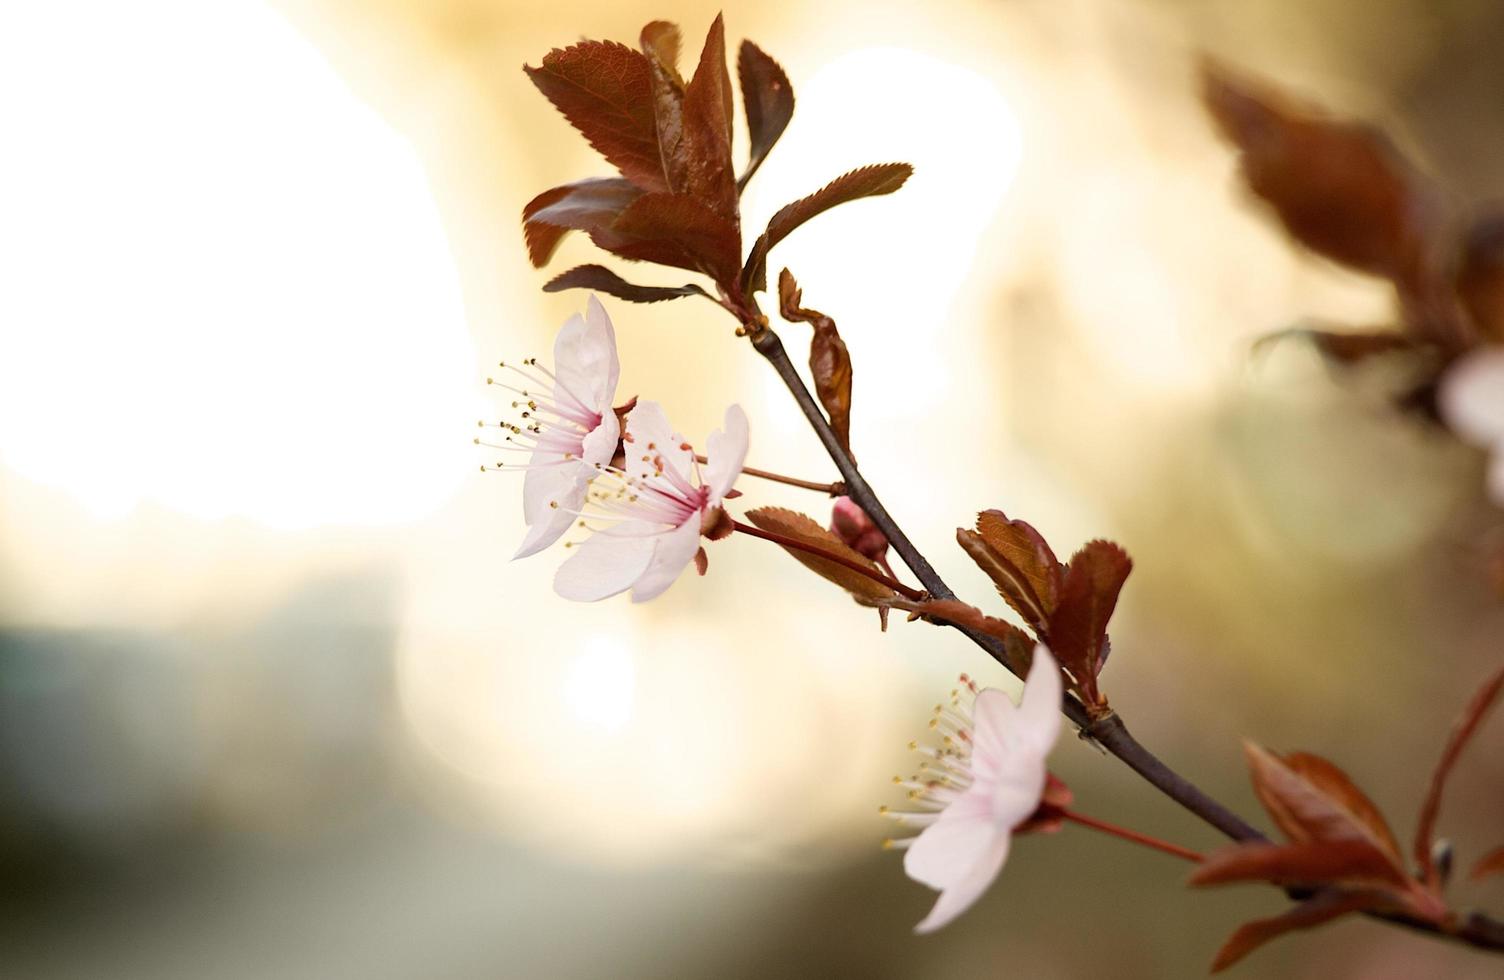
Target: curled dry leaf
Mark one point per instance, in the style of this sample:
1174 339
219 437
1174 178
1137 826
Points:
1462 732
769 102
1342 189
792 524
829 360
603 280
882 178
1489 864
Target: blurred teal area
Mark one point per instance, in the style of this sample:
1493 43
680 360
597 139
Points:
273 701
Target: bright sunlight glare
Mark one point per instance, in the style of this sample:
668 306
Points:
600 690
227 288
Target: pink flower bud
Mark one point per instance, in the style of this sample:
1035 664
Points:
856 529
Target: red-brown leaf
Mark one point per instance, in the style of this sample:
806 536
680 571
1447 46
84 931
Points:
1088 595
680 231
792 524
769 100
1316 911
1309 863
1345 348
882 178
709 175
1313 801
588 205
1462 732
1012 584
1027 550
1491 863
1334 784
605 90
603 280
660 44
829 360
1340 188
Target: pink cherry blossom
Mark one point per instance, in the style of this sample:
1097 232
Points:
567 425
646 518
986 779
1472 402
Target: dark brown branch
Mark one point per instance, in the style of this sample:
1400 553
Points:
1474 929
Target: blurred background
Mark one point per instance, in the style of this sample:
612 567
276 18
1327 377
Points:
275 703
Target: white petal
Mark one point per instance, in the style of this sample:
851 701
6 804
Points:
585 360
604 565
962 895
562 485
599 445
1039 712
946 851
674 552
652 438
725 452
1471 398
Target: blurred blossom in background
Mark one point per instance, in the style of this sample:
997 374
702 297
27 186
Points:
273 700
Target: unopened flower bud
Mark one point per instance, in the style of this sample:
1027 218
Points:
856 529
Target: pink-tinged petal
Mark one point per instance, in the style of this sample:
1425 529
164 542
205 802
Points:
604 565
963 894
600 444
650 439
725 452
1039 712
947 850
1017 791
675 550
1471 398
563 485
994 735
585 361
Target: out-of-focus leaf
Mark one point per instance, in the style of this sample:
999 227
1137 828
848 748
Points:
1012 584
605 90
1322 908
1462 732
1313 801
1026 549
660 43
1308 863
1018 646
1480 277
1078 624
829 360
1491 863
769 102
1345 348
709 175
792 524
1340 188
882 178
602 279
677 230
588 205
1336 786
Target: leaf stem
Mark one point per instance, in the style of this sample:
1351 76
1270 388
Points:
830 556
1131 835
836 489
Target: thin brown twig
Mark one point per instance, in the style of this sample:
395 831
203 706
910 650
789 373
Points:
836 489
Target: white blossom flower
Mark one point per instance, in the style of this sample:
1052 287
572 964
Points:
986 779
647 517
1472 403
567 427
